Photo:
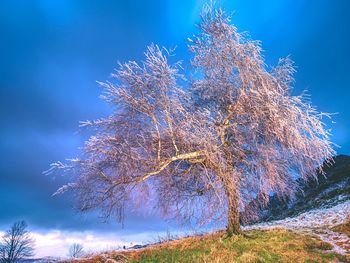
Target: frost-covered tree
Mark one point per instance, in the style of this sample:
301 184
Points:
199 151
17 243
76 250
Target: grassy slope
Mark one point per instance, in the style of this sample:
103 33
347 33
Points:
255 246
260 246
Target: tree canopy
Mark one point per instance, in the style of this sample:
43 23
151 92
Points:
17 243
200 145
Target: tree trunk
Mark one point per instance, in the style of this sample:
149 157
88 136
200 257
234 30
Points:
233 225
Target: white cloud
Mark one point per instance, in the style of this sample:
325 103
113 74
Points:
56 243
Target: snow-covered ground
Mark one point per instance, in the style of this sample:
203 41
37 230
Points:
317 222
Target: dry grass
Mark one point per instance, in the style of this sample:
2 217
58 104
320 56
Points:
343 228
255 246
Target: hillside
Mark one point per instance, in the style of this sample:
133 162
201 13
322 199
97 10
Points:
255 246
327 191
312 227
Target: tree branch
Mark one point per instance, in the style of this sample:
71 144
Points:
192 157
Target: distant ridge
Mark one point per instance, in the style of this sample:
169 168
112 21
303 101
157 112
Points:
325 192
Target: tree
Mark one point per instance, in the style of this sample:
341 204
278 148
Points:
204 150
17 243
76 250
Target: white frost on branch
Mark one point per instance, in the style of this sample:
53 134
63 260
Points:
205 149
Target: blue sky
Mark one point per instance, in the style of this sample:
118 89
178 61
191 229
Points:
52 52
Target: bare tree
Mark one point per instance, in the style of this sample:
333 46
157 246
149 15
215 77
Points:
16 243
204 150
76 250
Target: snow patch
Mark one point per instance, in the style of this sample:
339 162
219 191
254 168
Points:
316 222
